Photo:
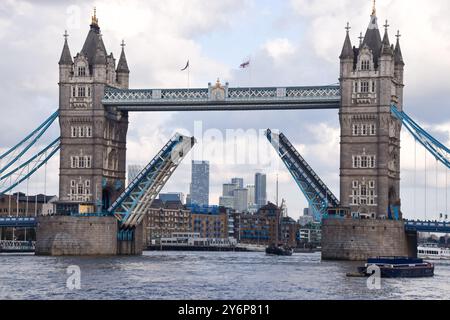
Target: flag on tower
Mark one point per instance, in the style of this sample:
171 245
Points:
187 66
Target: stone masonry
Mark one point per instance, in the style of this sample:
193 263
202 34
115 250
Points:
93 138
371 80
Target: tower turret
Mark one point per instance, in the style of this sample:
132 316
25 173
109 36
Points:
65 62
123 72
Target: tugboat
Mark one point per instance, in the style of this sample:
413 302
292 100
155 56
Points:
279 250
399 267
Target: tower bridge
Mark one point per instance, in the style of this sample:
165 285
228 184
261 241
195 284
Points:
98 214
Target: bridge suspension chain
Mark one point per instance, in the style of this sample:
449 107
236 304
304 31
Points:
27 169
432 146
10 157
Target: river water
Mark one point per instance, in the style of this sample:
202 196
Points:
205 275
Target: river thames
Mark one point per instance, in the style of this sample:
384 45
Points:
205 275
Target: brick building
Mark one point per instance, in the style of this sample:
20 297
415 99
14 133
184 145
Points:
164 219
210 222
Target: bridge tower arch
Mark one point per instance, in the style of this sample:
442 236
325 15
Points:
371 79
93 138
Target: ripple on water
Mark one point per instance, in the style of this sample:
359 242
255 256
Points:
205 275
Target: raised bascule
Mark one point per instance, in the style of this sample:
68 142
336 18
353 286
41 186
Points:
97 214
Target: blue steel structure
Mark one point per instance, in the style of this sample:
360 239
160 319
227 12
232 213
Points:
12 174
23 146
131 206
28 168
428 226
223 98
318 195
18 222
436 148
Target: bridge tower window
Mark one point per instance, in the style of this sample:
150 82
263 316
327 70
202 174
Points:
365 86
81 92
365 65
81 71
364 130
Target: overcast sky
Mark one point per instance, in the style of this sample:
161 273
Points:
291 42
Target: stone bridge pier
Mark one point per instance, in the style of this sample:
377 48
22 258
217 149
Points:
84 236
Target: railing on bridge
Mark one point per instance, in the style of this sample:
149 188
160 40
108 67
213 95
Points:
223 98
18 222
427 226
17 246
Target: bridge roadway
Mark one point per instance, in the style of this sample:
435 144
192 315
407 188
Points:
427 226
18 222
223 98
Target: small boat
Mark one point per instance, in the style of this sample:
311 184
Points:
399 267
279 250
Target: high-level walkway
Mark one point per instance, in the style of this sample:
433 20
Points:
223 98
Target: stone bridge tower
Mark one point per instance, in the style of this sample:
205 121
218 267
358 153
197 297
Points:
93 139
371 79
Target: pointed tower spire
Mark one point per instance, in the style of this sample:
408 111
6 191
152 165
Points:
100 53
386 45
66 57
123 65
347 50
398 51
94 22
372 38
374 8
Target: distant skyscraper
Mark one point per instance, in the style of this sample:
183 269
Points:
251 194
260 189
240 200
133 171
172 196
200 183
228 189
227 202
239 182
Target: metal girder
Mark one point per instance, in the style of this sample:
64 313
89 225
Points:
230 99
428 226
16 152
20 174
318 195
131 206
18 222
436 148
